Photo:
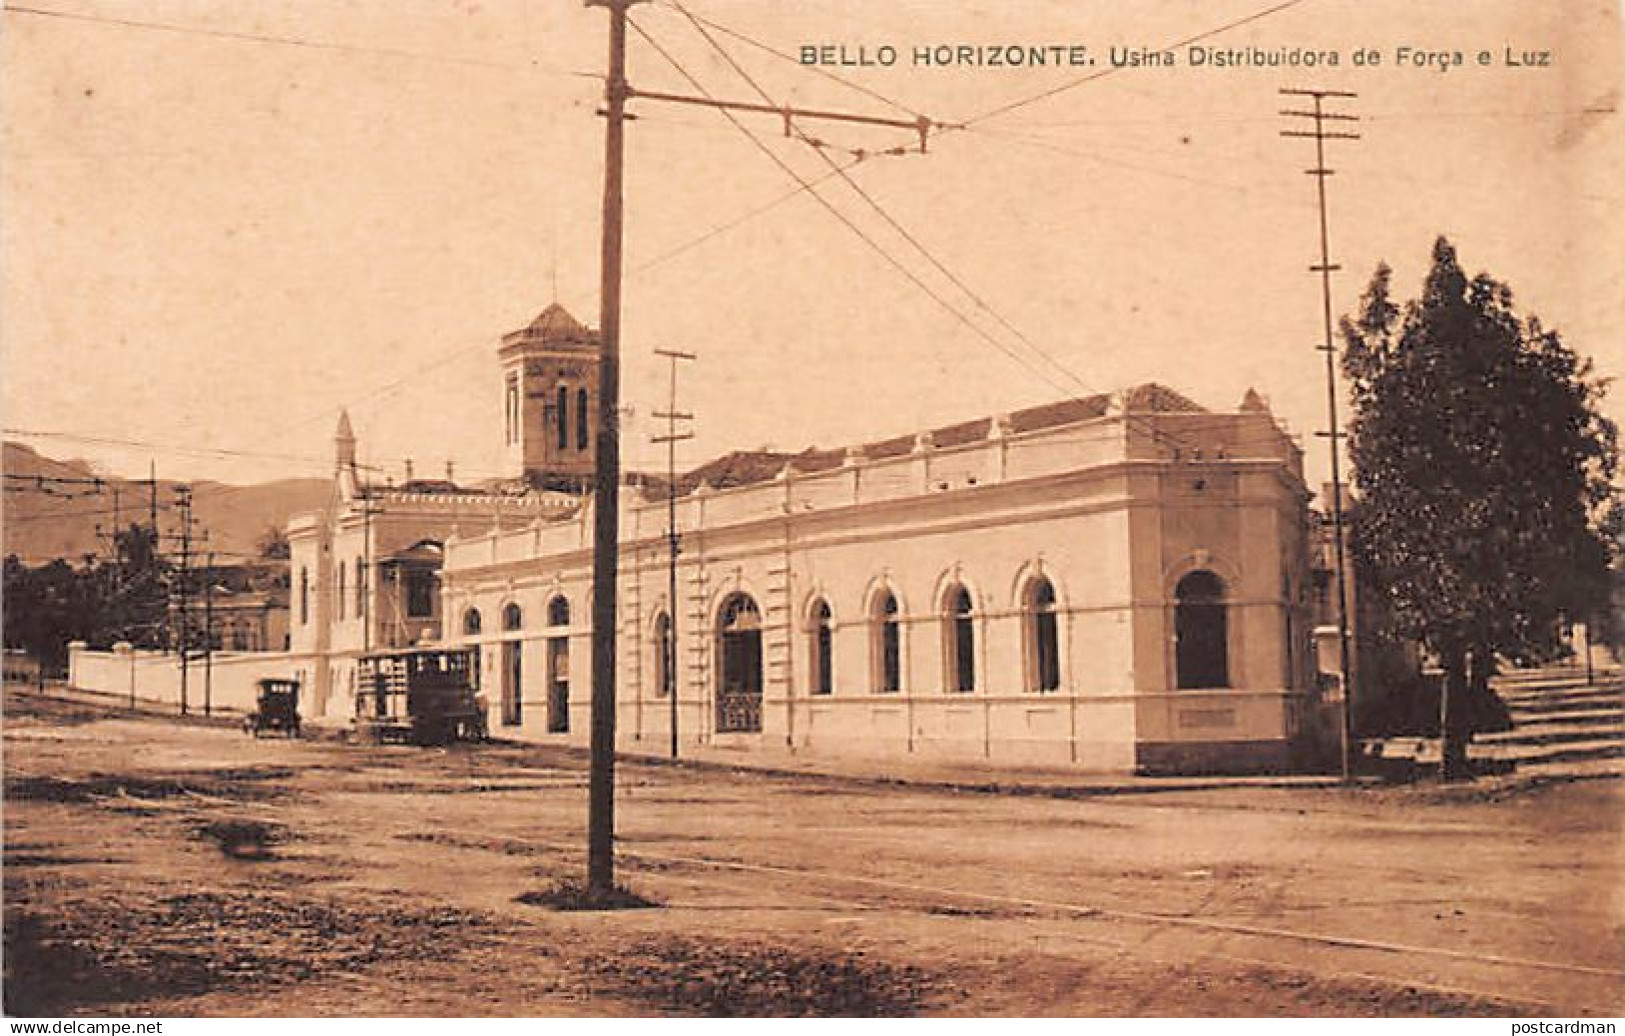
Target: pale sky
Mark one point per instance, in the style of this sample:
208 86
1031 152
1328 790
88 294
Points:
213 242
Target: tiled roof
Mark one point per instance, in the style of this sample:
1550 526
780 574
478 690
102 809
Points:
556 321
748 467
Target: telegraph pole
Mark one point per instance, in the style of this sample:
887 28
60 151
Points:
1320 134
183 501
208 635
607 475
672 437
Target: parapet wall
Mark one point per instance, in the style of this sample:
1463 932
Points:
227 682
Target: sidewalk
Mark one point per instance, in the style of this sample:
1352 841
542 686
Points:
942 774
1048 782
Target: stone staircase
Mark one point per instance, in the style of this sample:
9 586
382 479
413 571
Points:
1561 726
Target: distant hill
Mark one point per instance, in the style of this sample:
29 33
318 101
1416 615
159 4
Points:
38 525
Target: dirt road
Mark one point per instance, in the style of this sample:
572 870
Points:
156 868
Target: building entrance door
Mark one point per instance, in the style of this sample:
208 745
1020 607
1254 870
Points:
739 676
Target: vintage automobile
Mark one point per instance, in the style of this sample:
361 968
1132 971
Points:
420 696
276 708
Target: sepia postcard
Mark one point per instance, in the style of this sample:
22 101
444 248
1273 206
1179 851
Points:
750 508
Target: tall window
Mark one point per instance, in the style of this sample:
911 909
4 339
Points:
360 588
420 587
1201 632
561 419
558 667
340 595
581 419
1043 647
664 663
820 636
304 596
960 635
471 622
888 644
513 618
511 422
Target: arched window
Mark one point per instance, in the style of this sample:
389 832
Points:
959 635
340 594
513 618
561 418
739 676
304 596
471 622
820 638
581 419
887 645
665 664
1043 647
1201 632
558 611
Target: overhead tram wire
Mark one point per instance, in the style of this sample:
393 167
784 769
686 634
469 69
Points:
816 69
210 452
462 351
724 227
1158 434
1061 149
891 221
1006 108
1167 438
842 217
291 41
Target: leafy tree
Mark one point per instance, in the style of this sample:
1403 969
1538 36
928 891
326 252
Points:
273 544
1485 473
99 602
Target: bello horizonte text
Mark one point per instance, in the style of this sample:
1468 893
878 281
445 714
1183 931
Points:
1077 55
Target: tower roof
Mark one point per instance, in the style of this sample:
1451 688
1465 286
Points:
344 431
553 326
556 320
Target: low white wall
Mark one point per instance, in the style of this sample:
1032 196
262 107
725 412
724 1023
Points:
228 682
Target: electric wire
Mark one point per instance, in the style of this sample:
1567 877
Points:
292 41
942 268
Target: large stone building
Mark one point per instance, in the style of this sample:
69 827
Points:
1118 582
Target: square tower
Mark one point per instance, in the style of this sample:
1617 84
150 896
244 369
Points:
550 401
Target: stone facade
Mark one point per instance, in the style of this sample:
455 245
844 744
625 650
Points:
1120 583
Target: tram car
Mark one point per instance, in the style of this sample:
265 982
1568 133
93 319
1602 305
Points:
419 696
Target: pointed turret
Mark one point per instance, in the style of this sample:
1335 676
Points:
344 442
344 469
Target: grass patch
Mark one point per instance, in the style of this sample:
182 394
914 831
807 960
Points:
754 980
572 894
95 953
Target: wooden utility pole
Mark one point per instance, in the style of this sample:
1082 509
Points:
607 473
672 437
1320 134
208 636
183 500
607 476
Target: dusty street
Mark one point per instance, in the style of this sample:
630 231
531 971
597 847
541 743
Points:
160 867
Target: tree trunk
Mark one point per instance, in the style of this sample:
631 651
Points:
1453 729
